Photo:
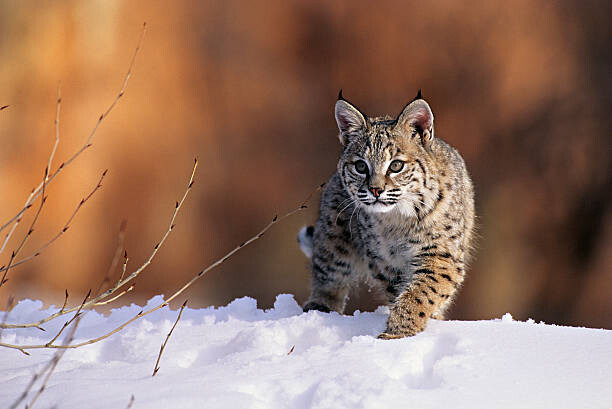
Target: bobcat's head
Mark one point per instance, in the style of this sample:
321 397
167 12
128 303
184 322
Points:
385 163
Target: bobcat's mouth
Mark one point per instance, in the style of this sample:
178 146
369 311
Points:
379 206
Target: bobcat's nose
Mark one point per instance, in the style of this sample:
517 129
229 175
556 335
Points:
376 191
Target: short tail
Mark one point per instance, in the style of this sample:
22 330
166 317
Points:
305 239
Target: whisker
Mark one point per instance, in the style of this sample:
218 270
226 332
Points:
351 219
344 201
343 209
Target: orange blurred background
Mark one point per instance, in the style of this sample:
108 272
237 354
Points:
521 88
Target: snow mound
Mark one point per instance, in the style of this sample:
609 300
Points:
239 356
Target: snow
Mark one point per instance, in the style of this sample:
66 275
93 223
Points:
239 356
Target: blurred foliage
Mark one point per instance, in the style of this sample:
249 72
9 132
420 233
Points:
521 88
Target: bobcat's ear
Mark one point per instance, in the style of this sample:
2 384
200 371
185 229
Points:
417 119
350 120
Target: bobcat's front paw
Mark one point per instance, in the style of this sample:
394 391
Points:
395 334
386 335
312 305
403 324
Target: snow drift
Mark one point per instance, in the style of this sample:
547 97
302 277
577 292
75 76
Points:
239 356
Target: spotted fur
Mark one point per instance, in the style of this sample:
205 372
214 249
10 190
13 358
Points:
407 233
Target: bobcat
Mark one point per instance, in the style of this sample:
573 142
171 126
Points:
398 214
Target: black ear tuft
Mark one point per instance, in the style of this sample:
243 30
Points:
340 97
419 96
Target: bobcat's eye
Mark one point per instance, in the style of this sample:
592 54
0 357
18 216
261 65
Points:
396 166
361 166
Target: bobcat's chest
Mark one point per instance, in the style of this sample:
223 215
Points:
387 244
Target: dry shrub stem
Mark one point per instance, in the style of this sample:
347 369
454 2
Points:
57 124
104 297
115 261
46 371
161 350
48 177
9 306
27 235
36 192
100 297
144 313
130 403
59 234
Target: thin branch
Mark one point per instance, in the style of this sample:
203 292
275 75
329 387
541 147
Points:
57 124
28 387
124 268
37 190
65 302
161 350
122 281
28 234
67 323
116 256
9 306
57 236
143 313
48 369
56 358
110 300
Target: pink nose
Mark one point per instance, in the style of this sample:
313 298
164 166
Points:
376 191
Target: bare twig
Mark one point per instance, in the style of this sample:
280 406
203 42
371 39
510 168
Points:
67 323
116 256
56 358
14 221
9 307
130 403
54 238
110 300
143 313
161 350
26 391
57 124
48 369
64 305
122 281
124 268
28 234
